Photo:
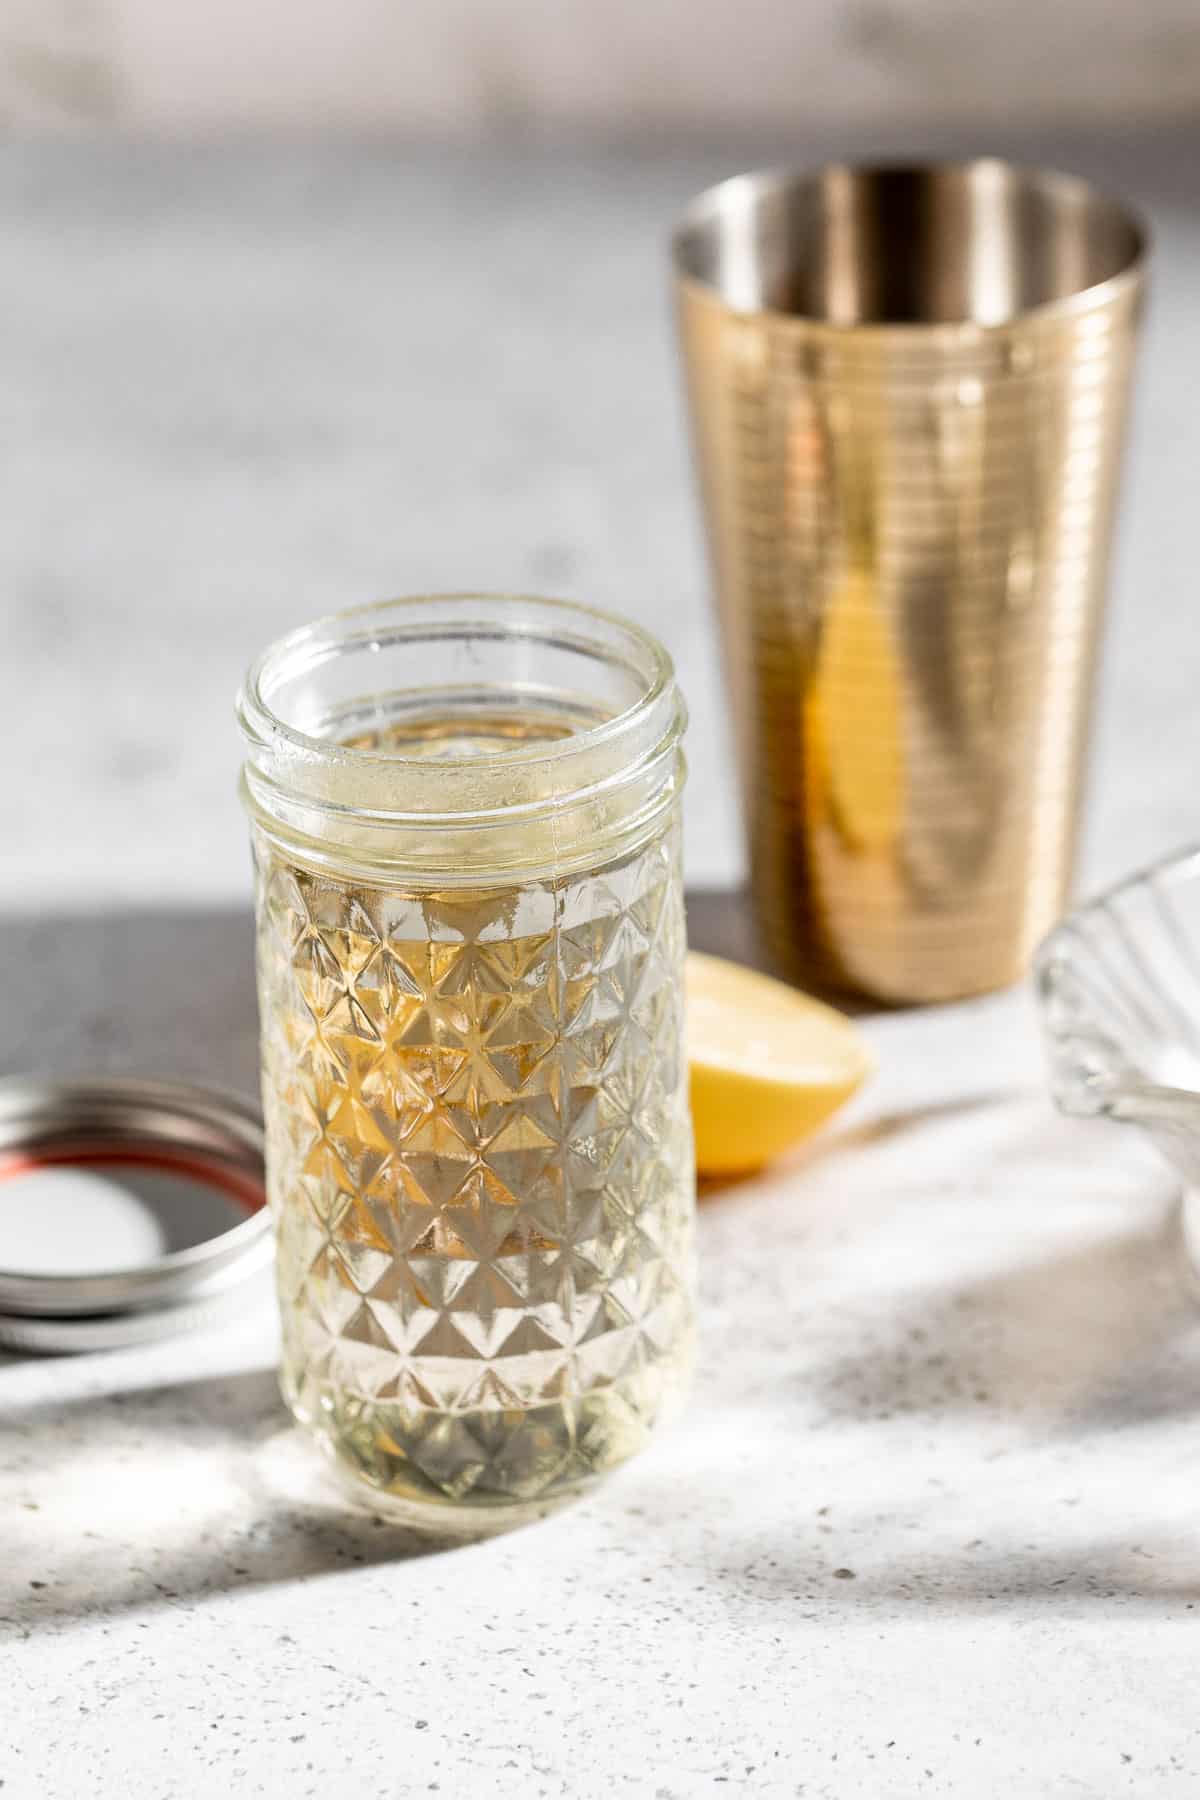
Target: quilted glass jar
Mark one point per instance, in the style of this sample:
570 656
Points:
465 815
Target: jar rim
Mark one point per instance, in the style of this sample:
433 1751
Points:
334 633
612 773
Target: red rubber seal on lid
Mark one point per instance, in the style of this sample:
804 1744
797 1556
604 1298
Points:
211 1172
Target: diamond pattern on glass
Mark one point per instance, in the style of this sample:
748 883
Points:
480 1169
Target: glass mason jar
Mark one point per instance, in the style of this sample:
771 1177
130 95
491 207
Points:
465 815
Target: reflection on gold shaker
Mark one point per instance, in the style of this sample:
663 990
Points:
908 392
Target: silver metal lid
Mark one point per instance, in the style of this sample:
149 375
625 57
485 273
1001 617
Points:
140 1241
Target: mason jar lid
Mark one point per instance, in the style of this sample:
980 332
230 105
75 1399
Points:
129 1210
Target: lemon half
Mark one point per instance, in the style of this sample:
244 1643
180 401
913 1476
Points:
768 1065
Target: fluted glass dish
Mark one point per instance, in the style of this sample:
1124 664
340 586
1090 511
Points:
1118 984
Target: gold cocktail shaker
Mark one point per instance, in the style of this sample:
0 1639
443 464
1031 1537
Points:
908 391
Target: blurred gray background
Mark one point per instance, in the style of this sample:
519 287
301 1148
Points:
647 67
308 305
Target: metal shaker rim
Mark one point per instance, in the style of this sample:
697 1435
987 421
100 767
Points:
726 209
202 1135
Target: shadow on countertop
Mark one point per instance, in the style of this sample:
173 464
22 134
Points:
157 1496
171 992
165 993
165 1494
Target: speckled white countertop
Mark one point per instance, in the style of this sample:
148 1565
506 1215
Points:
929 1525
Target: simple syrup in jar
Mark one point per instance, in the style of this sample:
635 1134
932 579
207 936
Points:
470 953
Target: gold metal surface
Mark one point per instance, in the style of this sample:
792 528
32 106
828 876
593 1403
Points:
908 390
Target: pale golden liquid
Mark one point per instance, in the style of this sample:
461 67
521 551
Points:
480 1161
440 739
